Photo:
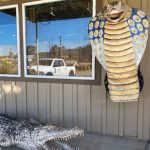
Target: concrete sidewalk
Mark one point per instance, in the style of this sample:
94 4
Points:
93 141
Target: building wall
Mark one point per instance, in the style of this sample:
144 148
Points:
86 106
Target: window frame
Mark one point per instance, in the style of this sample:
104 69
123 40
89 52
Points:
24 5
17 37
98 69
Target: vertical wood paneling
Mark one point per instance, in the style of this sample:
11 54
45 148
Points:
104 103
56 104
75 105
121 119
125 1
96 110
2 98
48 106
21 99
146 73
88 108
140 116
68 105
32 101
131 109
134 3
105 2
112 117
10 98
83 95
98 6
144 6
130 119
43 97
61 104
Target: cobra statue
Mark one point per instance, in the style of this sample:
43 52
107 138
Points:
118 36
31 135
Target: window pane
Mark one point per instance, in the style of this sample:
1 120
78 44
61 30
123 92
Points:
57 32
8 43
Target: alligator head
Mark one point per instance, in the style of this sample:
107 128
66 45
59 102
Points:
51 133
31 135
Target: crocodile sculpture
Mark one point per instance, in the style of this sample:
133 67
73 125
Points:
31 135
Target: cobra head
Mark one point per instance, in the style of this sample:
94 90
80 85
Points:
114 11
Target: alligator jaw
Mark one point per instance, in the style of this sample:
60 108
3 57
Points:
31 135
58 135
68 134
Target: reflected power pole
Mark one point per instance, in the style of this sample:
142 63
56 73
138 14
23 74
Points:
60 47
37 54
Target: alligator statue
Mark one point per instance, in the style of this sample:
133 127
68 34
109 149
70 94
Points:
31 135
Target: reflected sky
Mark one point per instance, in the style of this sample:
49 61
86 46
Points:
8 31
72 33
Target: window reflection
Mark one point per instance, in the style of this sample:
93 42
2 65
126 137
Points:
57 42
8 42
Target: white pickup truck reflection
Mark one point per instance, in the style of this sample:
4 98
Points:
53 67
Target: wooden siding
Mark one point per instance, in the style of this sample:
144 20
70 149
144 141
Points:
86 106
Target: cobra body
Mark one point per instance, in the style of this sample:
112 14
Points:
119 42
30 135
120 61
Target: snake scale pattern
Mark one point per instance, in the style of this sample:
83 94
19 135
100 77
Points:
118 42
120 61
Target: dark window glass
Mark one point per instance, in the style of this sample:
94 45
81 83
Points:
45 62
56 63
61 63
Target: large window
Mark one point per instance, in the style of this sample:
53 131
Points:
56 42
9 42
